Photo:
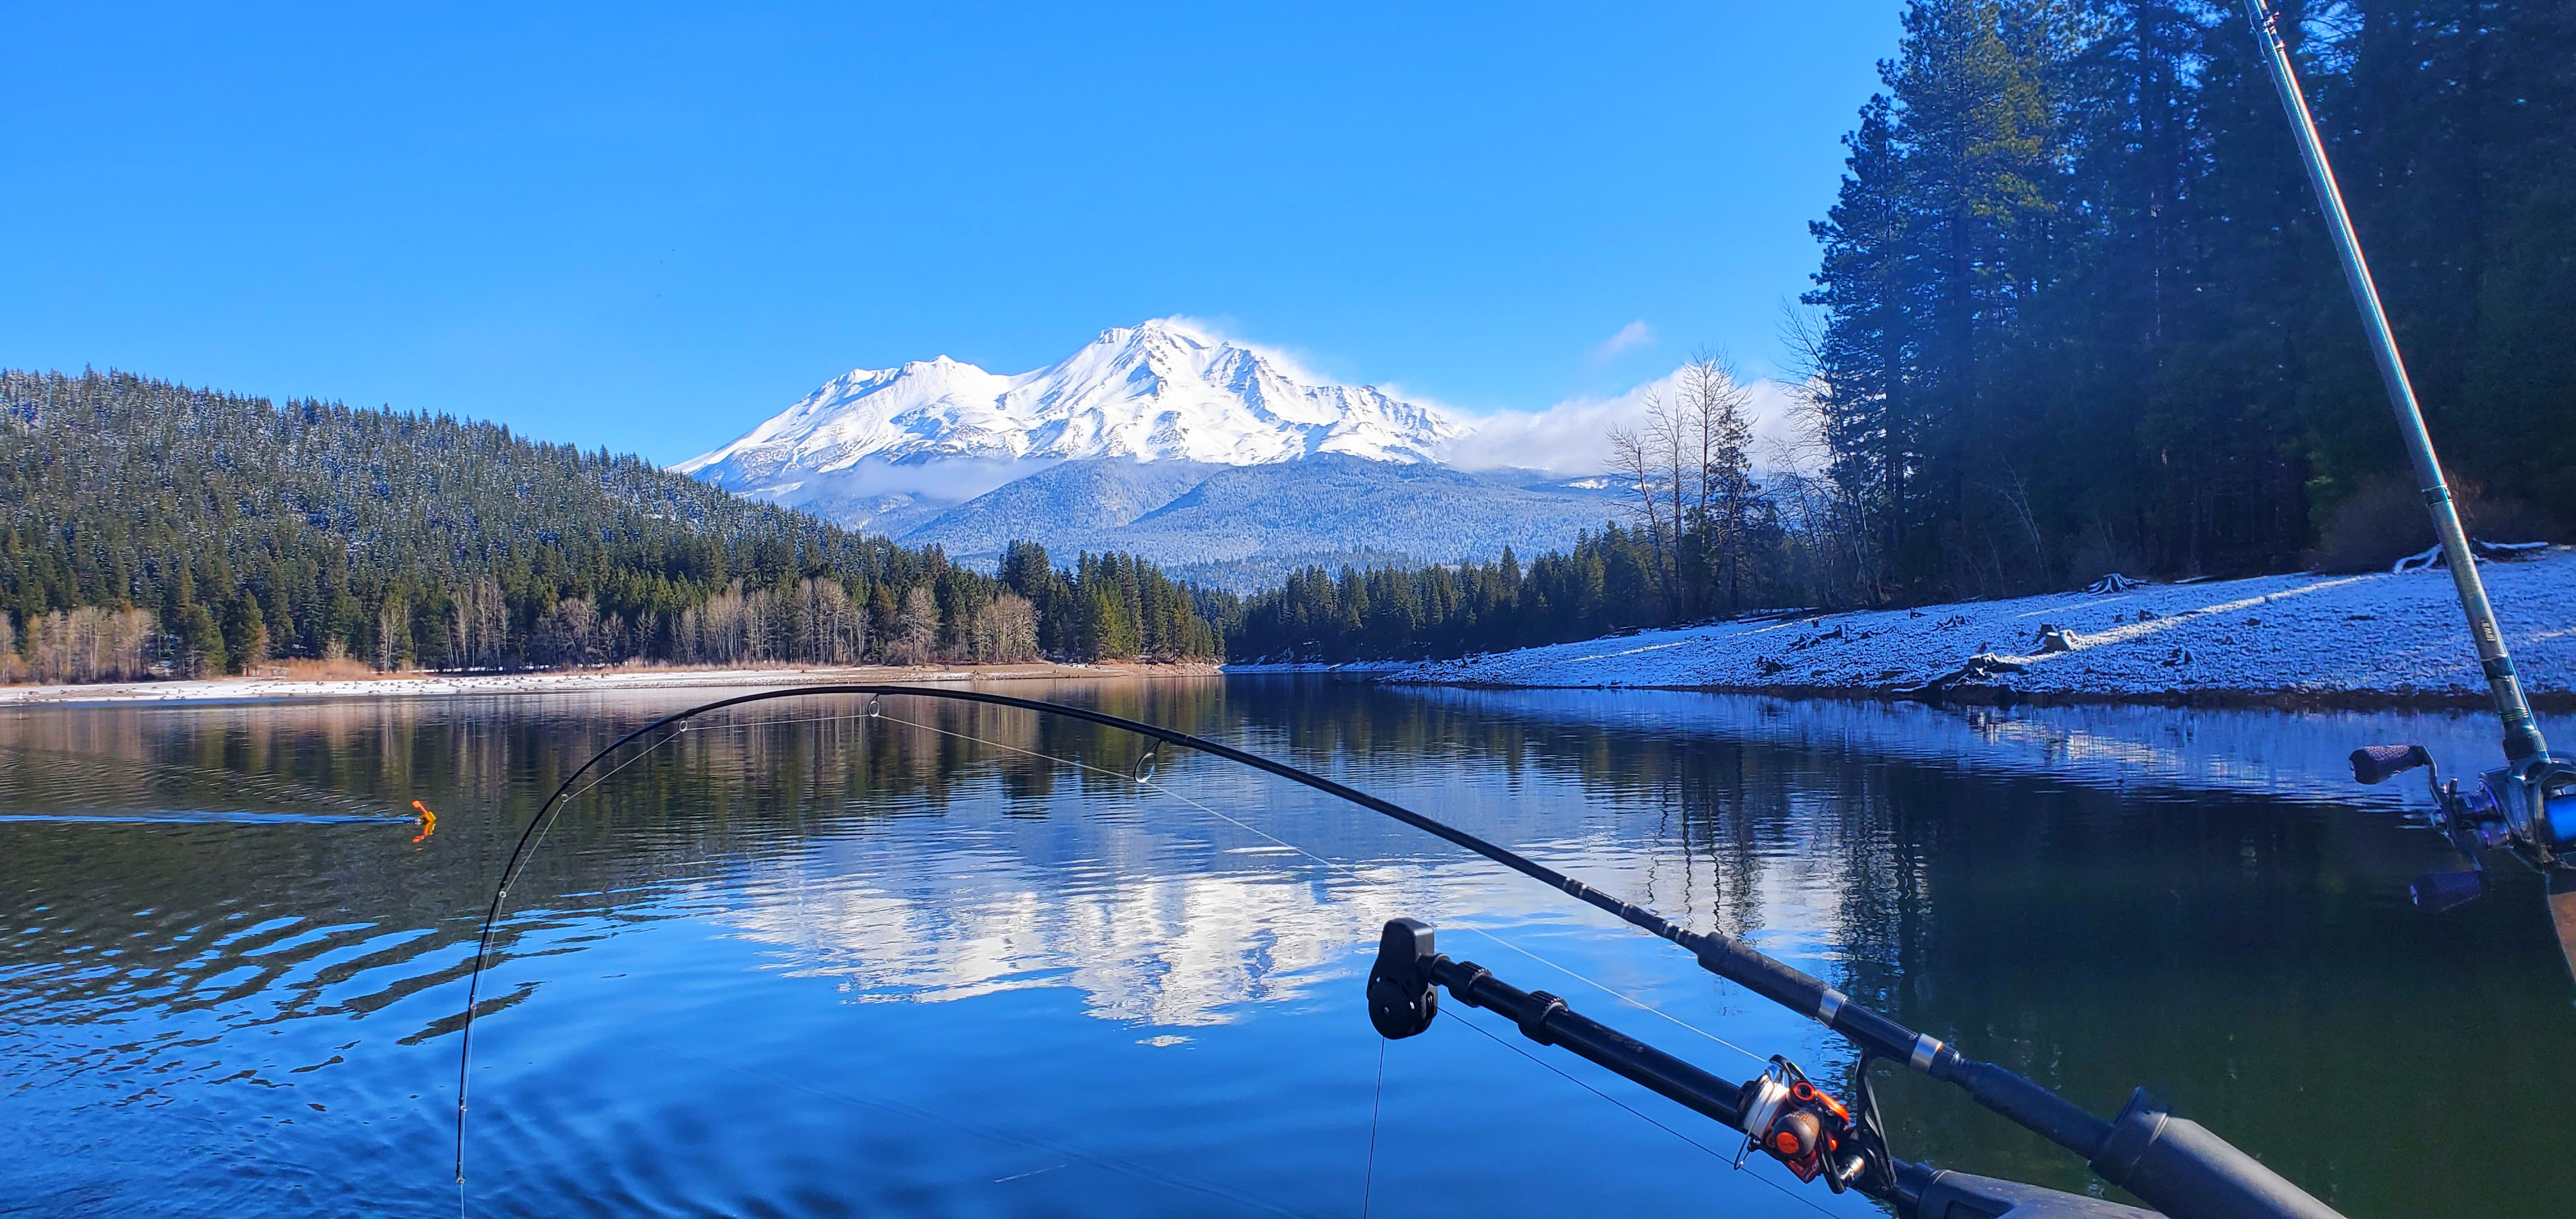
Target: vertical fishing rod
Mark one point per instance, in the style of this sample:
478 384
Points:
2507 808
2521 735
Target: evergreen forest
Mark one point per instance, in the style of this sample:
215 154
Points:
2077 313
151 529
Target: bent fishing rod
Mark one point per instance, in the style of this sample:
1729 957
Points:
2171 1162
2508 808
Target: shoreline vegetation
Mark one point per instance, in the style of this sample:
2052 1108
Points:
151 529
2309 641
288 683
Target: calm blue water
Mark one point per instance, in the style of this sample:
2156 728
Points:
952 963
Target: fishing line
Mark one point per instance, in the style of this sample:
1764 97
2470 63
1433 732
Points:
655 747
537 826
734 725
587 788
1488 1035
1377 1101
1341 867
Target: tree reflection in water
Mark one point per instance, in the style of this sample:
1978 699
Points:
2100 897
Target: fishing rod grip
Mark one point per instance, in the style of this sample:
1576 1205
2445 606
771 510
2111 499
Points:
2174 1163
2029 1104
1802 992
2181 1168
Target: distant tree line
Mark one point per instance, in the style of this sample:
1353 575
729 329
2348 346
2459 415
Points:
146 527
1703 537
1619 578
1392 613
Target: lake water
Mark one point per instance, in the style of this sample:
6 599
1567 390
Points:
952 962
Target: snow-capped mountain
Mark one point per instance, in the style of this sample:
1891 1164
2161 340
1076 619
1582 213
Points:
1223 460
1162 391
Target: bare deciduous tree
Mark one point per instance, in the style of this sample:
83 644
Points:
479 626
733 627
568 635
916 629
89 644
832 628
1692 473
1002 630
1841 484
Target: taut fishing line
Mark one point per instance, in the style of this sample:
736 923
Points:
531 836
1641 1115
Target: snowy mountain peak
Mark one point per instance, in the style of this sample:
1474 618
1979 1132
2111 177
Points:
1164 390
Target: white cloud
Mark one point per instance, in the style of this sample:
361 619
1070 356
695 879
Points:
1573 436
1290 360
1632 336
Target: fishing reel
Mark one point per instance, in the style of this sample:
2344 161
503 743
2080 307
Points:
2525 808
1809 1132
2508 808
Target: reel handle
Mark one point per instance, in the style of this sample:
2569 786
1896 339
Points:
2376 763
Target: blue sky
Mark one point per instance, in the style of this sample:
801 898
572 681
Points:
649 229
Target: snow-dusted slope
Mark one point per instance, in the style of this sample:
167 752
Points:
1181 513
2295 636
1161 391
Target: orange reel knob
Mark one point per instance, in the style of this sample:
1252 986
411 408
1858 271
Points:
1794 1137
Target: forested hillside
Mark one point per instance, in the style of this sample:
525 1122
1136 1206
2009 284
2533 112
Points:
149 527
1233 525
2077 311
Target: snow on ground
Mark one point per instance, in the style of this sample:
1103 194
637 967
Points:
2397 635
415 685
1346 666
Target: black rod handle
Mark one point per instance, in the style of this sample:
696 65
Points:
1546 1019
2030 1105
2000 1089
2179 1167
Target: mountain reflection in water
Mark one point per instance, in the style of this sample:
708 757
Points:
953 961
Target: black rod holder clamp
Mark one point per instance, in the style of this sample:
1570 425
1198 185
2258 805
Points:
1401 997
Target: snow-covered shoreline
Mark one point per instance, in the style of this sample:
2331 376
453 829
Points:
426 685
2308 639
2386 639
